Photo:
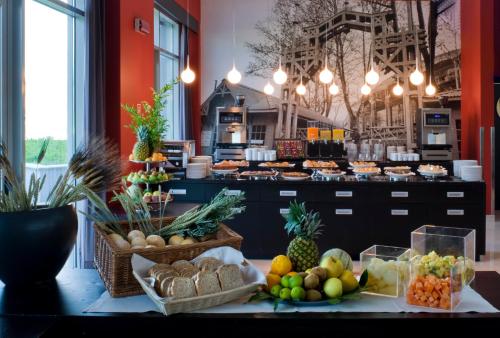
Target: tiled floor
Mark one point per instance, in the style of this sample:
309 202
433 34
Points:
489 262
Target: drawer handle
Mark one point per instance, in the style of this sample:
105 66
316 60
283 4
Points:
343 193
288 193
455 194
284 211
343 211
455 212
399 212
401 194
232 192
178 192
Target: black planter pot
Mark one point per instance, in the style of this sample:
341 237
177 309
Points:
34 245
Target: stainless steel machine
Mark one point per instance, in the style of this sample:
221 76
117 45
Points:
178 153
434 133
231 127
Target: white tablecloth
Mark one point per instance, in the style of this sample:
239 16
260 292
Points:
471 302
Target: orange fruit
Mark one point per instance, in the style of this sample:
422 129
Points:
291 273
272 280
281 265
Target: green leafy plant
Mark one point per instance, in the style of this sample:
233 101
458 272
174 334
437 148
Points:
197 222
136 211
150 116
95 166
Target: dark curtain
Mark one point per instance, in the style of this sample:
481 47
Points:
185 90
95 84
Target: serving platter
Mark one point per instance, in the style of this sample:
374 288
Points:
331 175
224 171
295 178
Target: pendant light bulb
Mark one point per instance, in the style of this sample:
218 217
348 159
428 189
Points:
417 78
301 89
279 75
365 89
397 89
234 76
187 75
326 76
268 88
334 89
430 90
372 77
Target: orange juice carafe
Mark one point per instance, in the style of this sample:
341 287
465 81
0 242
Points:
325 134
312 133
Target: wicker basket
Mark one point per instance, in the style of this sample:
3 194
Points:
114 265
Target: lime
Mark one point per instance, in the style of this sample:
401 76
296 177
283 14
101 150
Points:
285 293
285 281
296 280
275 290
298 293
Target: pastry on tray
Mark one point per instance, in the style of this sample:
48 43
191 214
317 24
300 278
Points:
295 174
362 164
229 164
275 164
319 164
257 173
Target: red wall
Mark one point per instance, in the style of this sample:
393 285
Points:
130 69
477 31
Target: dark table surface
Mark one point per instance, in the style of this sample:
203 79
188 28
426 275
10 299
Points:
55 309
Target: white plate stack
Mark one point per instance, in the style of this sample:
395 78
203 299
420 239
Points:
207 160
458 164
471 173
196 170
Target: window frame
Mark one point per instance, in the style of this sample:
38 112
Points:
174 124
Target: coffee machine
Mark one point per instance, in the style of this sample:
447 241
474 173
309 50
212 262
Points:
231 131
434 133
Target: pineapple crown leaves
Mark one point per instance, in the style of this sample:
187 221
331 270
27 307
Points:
302 223
151 116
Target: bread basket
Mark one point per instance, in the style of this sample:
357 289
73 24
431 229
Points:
114 268
252 277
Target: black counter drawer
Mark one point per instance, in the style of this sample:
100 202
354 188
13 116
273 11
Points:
287 193
392 223
460 193
251 191
345 227
185 192
459 215
401 193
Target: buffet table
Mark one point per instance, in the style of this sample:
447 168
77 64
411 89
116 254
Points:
356 213
57 310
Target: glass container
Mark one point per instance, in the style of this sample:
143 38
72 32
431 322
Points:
388 270
442 263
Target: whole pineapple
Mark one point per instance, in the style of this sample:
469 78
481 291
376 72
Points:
141 147
302 250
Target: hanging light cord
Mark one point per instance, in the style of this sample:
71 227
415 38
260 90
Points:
234 34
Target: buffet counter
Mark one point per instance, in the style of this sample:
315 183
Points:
356 213
58 310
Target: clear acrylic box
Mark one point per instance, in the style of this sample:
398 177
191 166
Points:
442 263
388 270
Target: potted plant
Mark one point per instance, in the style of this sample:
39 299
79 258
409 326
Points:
35 239
148 124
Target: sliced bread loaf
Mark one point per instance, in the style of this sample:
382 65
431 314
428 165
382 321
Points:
182 287
206 283
229 277
208 264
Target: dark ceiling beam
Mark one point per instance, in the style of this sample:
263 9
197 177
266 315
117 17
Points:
178 13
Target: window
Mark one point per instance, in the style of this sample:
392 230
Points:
258 134
167 55
53 85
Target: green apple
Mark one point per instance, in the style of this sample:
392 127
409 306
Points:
349 282
296 280
156 193
333 288
333 266
298 293
148 194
